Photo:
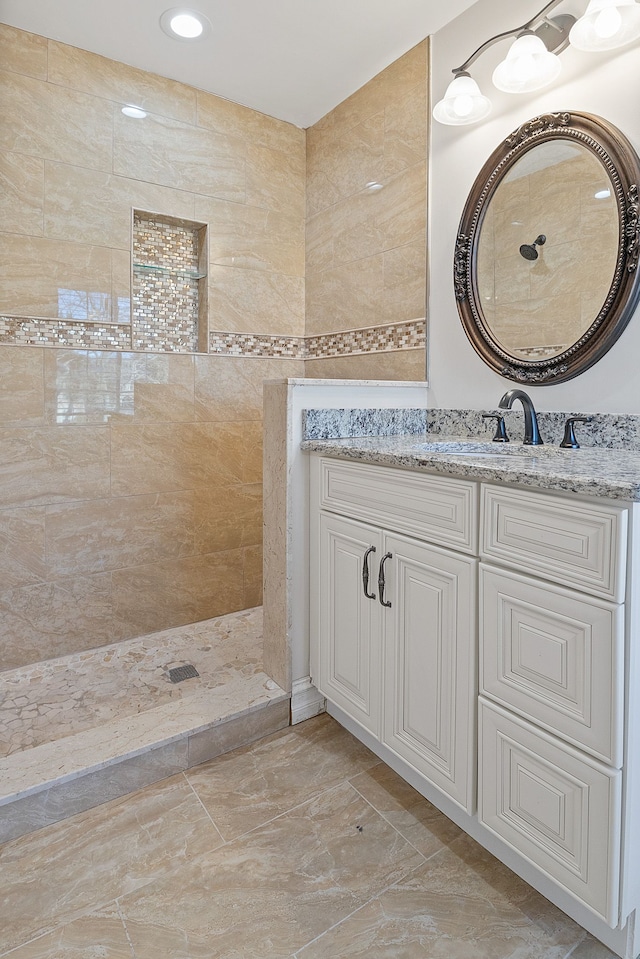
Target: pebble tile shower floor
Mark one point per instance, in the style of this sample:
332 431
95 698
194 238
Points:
300 846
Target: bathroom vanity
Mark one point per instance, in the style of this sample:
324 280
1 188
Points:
473 621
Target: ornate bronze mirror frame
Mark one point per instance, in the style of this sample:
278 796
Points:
546 263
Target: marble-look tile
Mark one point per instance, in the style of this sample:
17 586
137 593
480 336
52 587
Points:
65 799
253 301
232 119
23 52
41 466
590 948
421 824
253 564
253 238
47 121
21 386
52 278
394 365
252 786
240 731
462 904
22 547
97 935
229 388
53 619
112 80
174 154
277 532
172 593
268 894
99 535
405 129
345 297
165 457
342 166
54 874
91 206
227 517
21 194
276 180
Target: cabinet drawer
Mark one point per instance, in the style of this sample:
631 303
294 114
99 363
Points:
577 544
556 657
556 807
435 508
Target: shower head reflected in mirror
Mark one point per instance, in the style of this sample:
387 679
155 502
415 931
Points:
529 251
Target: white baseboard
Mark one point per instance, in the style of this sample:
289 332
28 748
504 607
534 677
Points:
306 701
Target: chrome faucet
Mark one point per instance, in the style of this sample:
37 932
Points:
531 433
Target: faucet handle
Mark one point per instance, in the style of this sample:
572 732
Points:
500 435
569 441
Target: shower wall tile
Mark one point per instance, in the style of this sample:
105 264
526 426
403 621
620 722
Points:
21 387
173 593
253 238
229 388
42 120
205 163
102 535
90 206
252 301
276 180
52 278
396 365
22 547
23 52
21 194
253 577
42 466
228 517
112 80
232 119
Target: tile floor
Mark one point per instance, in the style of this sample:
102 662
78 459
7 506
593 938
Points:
300 846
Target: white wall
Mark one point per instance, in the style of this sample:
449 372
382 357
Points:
602 84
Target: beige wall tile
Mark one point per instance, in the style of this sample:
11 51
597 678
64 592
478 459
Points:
22 547
89 386
38 276
21 194
43 465
398 365
227 517
117 533
112 80
42 120
89 206
347 297
252 301
174 154
172 593
22 52
21 386
340 167
252 238
232 119
405 130
276 180
229 388
252 576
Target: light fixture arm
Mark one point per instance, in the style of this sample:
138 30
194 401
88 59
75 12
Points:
535 21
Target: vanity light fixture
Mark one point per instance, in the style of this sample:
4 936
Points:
180 23
532 61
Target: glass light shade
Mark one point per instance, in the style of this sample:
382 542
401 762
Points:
462 103
527 66
606 24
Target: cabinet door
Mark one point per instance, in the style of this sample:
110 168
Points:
348 628
430 658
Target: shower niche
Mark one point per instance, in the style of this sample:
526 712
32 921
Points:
169 284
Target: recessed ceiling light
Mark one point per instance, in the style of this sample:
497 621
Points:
182 24
136 112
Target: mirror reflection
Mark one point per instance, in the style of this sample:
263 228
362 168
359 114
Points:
547 250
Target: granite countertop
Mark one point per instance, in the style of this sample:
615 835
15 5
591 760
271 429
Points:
610 473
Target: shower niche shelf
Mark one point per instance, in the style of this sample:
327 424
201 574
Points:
169 284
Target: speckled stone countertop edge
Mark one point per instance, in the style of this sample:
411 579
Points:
601 473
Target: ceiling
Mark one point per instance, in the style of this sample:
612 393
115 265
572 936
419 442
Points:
291 59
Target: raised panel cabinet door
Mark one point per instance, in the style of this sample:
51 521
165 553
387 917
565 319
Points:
349 620
430 664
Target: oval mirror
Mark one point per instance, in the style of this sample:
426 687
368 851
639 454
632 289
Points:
546 265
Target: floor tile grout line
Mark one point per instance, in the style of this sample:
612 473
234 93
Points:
355 911
124 923
207 813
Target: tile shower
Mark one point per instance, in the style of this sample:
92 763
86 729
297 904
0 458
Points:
130 446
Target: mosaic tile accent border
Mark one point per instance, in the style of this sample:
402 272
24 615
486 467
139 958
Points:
81 334
375 339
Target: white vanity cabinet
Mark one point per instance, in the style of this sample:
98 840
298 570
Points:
393 616
495 666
